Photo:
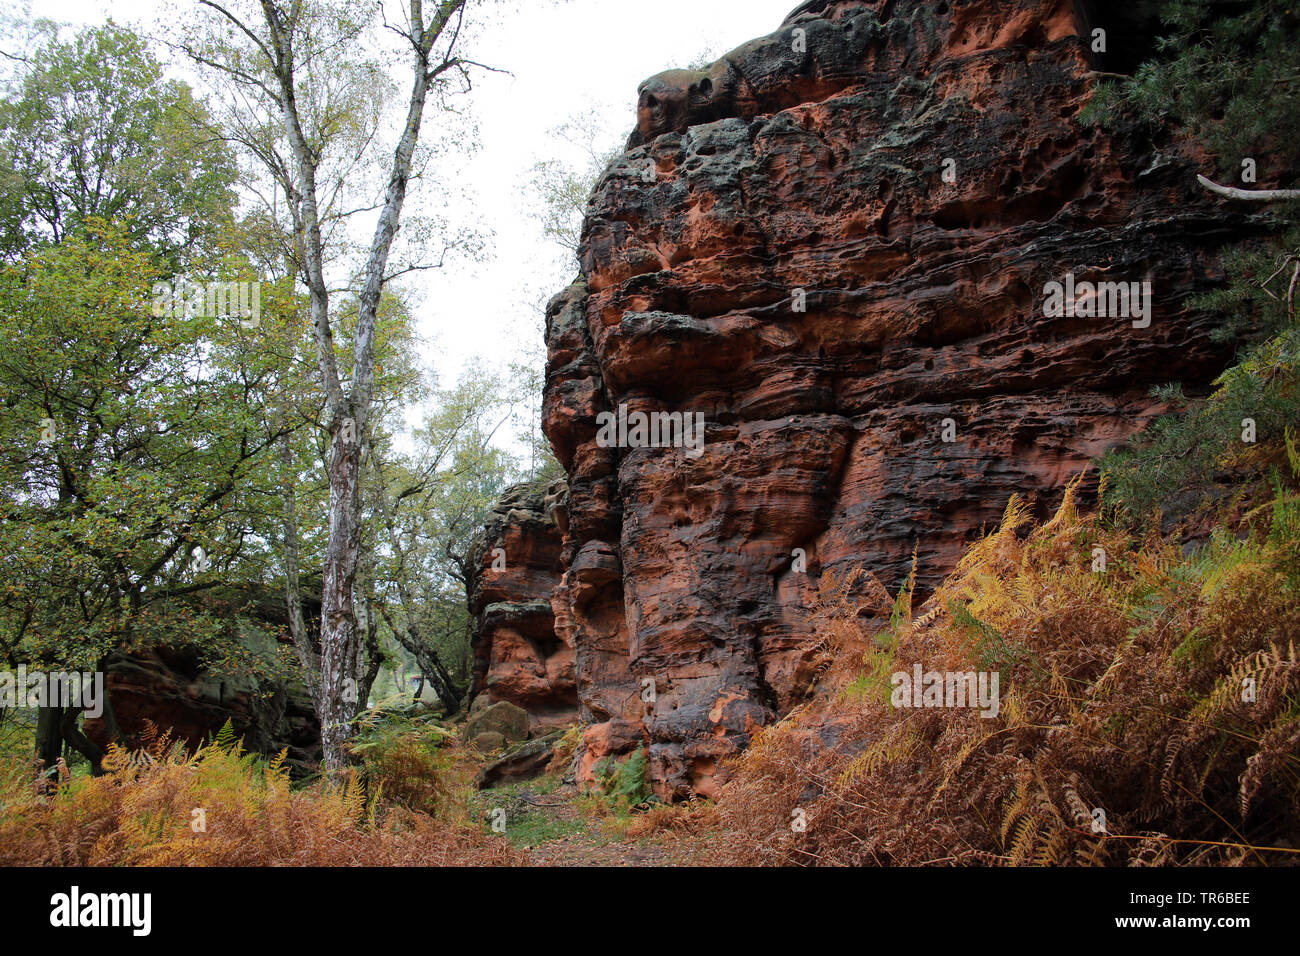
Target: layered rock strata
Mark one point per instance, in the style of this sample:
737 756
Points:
518 655
838 245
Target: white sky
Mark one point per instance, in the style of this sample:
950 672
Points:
565 57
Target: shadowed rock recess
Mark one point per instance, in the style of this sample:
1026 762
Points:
779 251
175 689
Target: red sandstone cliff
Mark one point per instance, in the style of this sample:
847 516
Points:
518 655
834 244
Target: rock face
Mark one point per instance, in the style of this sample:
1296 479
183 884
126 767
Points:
524 762
836 245
174 690
518 656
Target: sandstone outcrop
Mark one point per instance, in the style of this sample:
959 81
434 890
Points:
518 656
837 244
524 762
173 689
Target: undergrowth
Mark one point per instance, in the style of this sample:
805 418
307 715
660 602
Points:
1149 712
414 763
619 793
220 806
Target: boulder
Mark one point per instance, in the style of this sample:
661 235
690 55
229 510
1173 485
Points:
173 688
524 762
502 718
487 741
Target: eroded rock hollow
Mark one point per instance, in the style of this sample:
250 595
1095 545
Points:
835 245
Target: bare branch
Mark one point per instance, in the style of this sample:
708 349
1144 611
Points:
239 24
1253 195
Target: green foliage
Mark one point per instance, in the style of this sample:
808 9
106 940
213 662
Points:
528 385
1184 459
225 738
624 783
409 762
92 129
991 647
1251 305
874 681
438 496
533 826
561 186
628 786
152 466
128 446
1225 75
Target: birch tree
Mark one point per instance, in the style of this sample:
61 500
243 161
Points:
289 60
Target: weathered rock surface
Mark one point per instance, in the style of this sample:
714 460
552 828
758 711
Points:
487 741
174 690
502 718
524 762
518 655
780 250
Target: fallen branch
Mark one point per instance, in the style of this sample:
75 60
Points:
1295 281
1254 195
1291 289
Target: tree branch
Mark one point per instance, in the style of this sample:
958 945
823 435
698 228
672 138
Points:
1252 195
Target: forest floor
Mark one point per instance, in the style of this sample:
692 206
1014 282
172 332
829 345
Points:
558 826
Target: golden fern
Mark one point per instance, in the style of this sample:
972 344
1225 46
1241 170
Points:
1026 836
895 745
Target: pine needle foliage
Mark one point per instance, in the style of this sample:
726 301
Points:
1189 464
1222 74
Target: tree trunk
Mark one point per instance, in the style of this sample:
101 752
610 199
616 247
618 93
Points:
339 638
49 739
347 414
409 636
426 658
307 656
80 742
374 656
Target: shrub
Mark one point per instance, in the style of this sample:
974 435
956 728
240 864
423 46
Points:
622 786
1189 464
565 748
415 764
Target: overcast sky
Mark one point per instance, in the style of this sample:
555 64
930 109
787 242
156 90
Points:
564 58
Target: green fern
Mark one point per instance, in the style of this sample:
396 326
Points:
226 739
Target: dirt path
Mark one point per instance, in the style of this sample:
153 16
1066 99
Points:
557 826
